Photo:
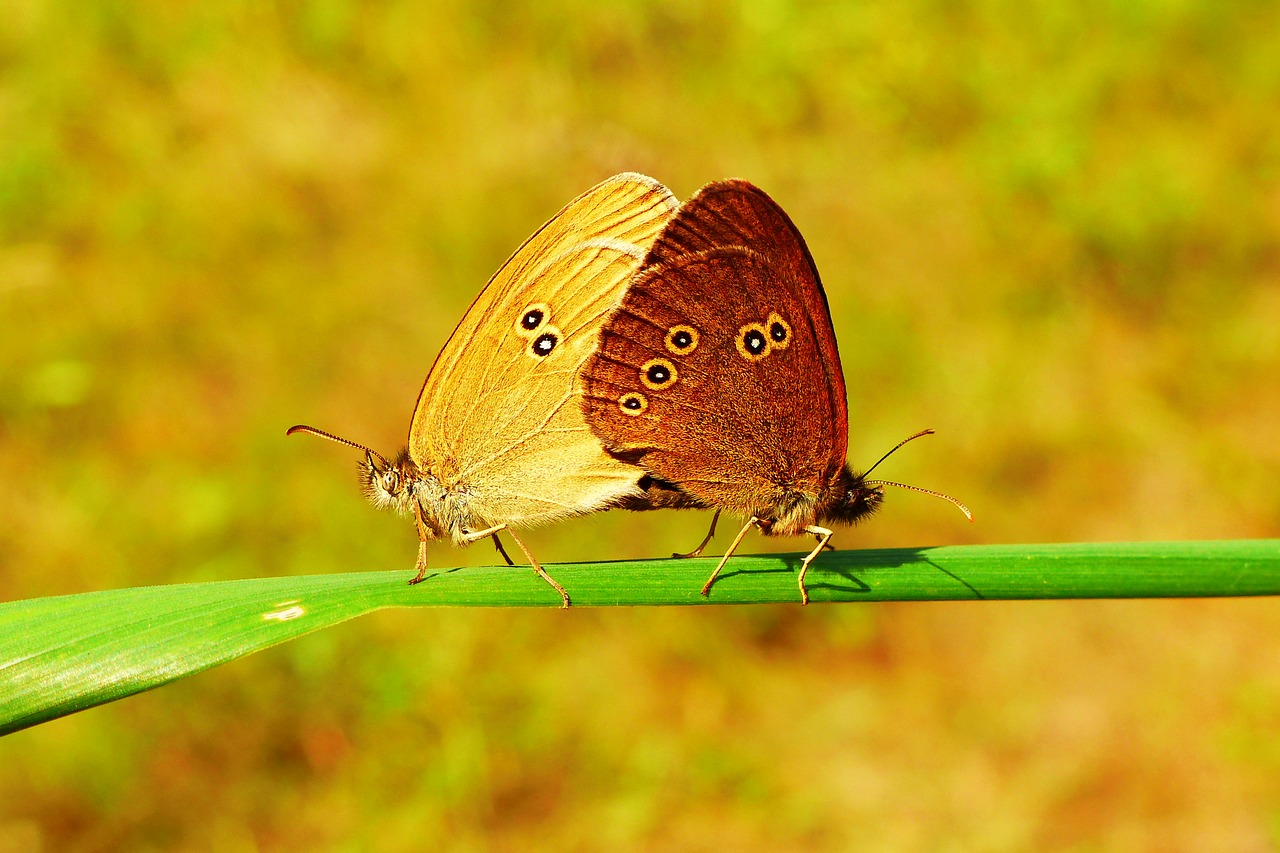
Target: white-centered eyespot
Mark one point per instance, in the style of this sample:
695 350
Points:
545 343
779 331
532 319
632 403
753 341
658 374
681 340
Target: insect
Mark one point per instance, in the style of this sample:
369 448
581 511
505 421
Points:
498 438
720 376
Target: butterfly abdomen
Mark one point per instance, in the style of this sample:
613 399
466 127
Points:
789 512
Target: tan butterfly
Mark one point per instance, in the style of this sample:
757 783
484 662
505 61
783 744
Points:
498 438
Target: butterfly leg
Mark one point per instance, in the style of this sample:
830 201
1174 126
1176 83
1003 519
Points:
475 536
754 522
538 568
712 532
497 543
422 544
824 536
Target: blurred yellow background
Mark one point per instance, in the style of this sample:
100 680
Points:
1051 231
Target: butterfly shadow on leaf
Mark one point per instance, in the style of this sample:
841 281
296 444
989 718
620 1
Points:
791 567
439 573
858 570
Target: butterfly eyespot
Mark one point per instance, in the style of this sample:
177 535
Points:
779 331
632 404
543 345
753 343
682 339
533 317
658 373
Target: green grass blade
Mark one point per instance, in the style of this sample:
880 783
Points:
67 653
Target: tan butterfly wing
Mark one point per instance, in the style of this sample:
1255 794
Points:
500 424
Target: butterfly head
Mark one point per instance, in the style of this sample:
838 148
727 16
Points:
389 485
852 498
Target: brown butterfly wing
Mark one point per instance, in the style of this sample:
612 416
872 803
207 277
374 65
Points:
736 427
502 427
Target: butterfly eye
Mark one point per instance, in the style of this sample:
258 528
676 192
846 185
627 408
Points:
752 343
658 373
632 404
682 339
391 481
543 345
779 331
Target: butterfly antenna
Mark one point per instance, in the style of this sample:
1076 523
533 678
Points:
922 491
959 505
895 449
348 442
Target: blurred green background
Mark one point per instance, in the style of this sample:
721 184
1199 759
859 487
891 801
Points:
1051 231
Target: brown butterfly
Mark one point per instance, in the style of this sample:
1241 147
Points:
720 376
498 438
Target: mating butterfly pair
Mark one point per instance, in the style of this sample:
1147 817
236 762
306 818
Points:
642 354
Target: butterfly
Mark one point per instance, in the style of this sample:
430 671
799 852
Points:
498 438
719 375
